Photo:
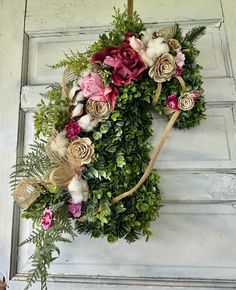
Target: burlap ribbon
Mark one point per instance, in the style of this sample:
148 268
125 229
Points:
159 88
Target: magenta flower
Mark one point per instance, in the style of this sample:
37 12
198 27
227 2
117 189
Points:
127 65
179 71
46 220
172 102
72 129
75 208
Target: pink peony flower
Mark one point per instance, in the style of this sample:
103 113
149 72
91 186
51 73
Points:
72 129
46 220
136 43
93 88
127 65
172 102
179 71
75 208
180 58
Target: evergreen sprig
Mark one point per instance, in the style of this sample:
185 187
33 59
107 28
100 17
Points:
194 34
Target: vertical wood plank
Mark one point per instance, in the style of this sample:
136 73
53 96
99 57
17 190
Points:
11 45
229 11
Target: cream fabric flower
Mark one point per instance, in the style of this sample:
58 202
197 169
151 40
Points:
80 151
163 69
98 110
186 102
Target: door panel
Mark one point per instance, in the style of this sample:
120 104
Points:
193 241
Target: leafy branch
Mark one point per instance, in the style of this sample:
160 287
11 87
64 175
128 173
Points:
34 164
45 242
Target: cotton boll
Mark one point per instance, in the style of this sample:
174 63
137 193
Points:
156 47
84 121
79 96
73 91
76 94
92 125
76 190
146 35
78 110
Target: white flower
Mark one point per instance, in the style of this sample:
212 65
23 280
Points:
78 189
78 110
84 121
75 94
156 47
147 35
87 123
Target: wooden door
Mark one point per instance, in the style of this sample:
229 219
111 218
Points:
194 239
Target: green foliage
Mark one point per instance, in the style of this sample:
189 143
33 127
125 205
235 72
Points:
122 153
79 62
52 112
46 247
36 163
193 35
193 81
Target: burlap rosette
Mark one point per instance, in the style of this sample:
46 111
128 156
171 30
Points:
185 102
163 69
98 110
174 44
80 152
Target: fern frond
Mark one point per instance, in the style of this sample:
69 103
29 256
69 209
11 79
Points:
35 164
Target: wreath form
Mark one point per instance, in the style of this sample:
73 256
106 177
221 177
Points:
95 166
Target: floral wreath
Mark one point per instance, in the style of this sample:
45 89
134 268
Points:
92 172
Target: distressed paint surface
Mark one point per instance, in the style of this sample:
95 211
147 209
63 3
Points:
11 46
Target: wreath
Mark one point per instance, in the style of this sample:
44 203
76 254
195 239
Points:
89 170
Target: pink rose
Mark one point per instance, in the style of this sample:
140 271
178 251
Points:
75 208
180 58
127 65
93 88
172 102
46 220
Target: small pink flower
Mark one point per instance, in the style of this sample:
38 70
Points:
93 88
136 43
75 208
72 129
172 102
194 94
179 71
180 58
46 220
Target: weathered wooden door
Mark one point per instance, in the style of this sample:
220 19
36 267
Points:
194 239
